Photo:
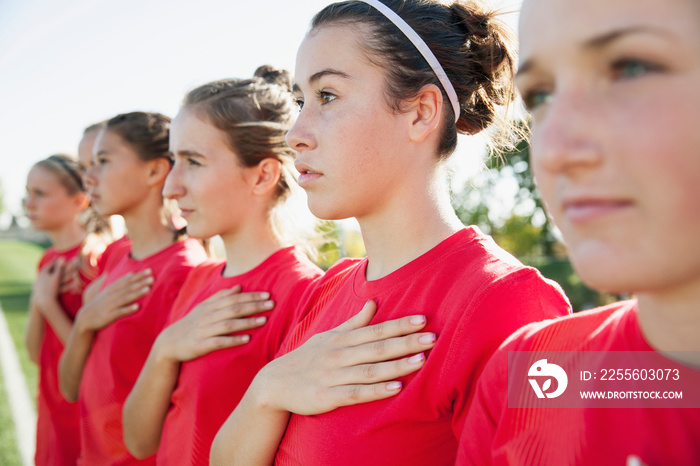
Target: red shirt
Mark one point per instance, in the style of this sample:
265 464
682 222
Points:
57 433
120 350
496 434
474 295
211 386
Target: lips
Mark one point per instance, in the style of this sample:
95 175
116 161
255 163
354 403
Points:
584 209
307 174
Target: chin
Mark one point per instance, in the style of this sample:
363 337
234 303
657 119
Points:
325 209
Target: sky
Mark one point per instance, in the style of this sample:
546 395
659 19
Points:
65 64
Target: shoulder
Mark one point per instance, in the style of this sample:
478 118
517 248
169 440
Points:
185 254
295 265
49 255
579 331
339 271
489 275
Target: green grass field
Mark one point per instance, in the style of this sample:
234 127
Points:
18 263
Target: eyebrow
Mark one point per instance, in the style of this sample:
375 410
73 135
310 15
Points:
316 76
599 42
187 153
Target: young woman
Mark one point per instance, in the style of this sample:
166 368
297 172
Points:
231 177
113 334
378 119
614 99
56 203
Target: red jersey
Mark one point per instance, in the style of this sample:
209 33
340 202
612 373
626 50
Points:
496 434
473 295
210 387
57 432
120 350
113 253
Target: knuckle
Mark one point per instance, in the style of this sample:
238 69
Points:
369 371
379 347
354 393
379 329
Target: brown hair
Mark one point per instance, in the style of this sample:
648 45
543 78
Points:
95 127
475 50
255 114
148 133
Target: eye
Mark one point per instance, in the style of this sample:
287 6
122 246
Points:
300 103
630 68
326 97
536 98
191 161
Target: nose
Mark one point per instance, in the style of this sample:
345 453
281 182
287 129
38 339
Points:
89 177
173 188
567 137
300 137
28 202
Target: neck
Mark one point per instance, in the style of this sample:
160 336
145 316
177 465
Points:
150 229
670 322
67 237
249 246
417 220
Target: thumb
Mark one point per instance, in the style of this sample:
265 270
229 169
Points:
362 318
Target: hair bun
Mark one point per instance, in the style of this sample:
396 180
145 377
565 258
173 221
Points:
272 75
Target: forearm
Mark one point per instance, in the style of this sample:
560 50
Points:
34 333
252 433
73 360
148 403
58 320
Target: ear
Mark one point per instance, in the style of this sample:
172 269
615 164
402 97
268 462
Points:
426 112
158 170
266 175
81 200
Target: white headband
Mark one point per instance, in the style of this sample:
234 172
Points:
422 48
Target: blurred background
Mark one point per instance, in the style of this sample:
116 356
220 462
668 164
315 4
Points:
70 63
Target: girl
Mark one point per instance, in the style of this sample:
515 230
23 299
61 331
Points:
230 178
112 335
614 98
381 103
56 202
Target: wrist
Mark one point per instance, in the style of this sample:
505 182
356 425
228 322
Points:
82 323
263 391
162 350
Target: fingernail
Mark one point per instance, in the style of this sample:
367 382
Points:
393 386
269 304
135 306
260 320
265 295
147 271
418 358
245 338
427 339
418 320
145 289
149 280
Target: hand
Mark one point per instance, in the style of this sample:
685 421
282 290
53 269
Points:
71 281
46 287
93 289
350 364
115 301
207 327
